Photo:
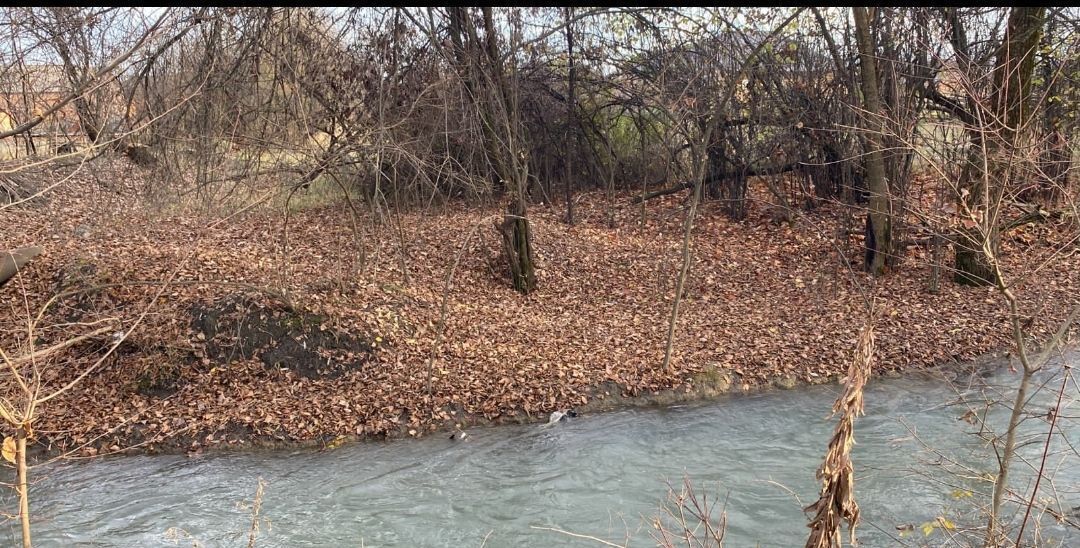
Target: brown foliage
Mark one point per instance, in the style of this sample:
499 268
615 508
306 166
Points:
764 302
837 474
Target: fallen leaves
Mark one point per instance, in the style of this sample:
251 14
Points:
765 302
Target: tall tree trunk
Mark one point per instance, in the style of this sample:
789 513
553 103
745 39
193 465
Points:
988 170
504 138
78 73
879 217
481 68
571 113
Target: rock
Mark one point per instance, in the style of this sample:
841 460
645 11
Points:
785 383
712 381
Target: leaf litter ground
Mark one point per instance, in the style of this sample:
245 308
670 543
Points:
765 302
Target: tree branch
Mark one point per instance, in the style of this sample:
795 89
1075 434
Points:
87 86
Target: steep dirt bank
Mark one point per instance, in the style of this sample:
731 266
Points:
329 333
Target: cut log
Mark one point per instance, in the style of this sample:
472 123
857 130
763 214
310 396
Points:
12 261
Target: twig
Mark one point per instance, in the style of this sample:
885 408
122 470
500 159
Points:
56 347
446 297
256 505
576 535
1046 450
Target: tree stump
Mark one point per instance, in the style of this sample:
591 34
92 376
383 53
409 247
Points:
971 264
517 249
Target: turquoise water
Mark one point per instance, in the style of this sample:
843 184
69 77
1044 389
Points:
598 475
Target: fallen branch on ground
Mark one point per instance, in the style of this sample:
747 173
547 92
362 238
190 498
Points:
685 185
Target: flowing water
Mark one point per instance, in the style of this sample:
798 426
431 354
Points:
600 475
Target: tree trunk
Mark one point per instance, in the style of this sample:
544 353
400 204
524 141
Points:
23 486
78 77
936 247
878 218
571 112
988 171
971 264
87 120
684 271
514 164
517 246
12 261
1002 479
485 78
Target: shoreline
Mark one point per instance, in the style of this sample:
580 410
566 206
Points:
608 397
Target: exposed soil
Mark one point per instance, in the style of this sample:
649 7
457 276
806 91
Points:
238 328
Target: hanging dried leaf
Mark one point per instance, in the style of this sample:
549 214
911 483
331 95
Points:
837 502
9 449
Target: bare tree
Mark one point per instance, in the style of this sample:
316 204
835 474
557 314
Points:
879 217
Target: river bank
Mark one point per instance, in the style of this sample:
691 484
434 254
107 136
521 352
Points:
333 329
707 386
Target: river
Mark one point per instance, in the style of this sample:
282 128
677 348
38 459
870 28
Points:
599 475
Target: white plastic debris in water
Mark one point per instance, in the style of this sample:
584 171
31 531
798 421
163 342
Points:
558 415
